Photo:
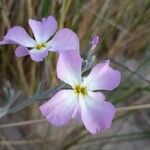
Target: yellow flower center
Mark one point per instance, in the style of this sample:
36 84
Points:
40 46
78 89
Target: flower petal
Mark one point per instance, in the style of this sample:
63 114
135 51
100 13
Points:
5 41
97 96
69 67
96 114
38 55
103 77
21 51
64 40
44 29
58 110
77 113
19 35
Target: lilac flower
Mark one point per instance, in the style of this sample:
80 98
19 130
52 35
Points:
83 101
43 30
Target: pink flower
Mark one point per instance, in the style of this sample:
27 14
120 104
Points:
63 40
83 101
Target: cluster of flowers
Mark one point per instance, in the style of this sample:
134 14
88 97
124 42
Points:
83 101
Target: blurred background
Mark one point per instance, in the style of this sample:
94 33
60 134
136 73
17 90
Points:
123 26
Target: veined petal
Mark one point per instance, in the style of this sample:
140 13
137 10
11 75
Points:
97 96
38 55
5 42
21 51
44 29
103 77
58 110
77 113
97 114
19 36
64 40
69 67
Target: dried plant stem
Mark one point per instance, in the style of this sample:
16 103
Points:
9 146
64 10
133 108
105 139
29 6
22 142
62 17
120 109
22 123
4 15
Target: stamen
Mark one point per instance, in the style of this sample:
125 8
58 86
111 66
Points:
40 46
80 90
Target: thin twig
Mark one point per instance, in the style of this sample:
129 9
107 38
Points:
120 137
26 142
133 108
120 109
22 123
9 146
